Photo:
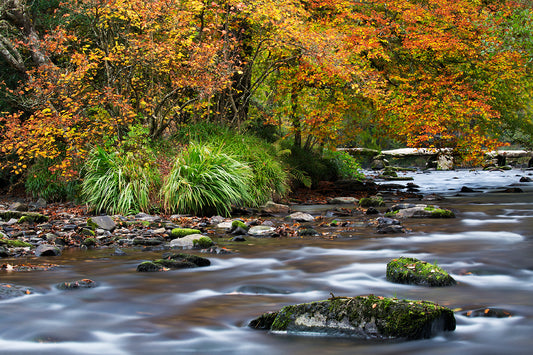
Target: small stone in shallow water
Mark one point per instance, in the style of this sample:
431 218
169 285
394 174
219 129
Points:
47 250
301 217
10 290
488 312
84 283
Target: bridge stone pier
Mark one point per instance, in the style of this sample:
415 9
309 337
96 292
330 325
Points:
442 158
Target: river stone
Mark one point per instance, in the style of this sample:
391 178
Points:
30 217
424 212
224 225
342 200
11 290
19 206
489 313
301 217
72 285
182 232
47 250
148 241
262 231
416 272
367 317
274 208
374 201
186 242
102 222
173 261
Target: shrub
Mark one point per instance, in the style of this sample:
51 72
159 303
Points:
119 183
205 180
310 165
346 165
41 182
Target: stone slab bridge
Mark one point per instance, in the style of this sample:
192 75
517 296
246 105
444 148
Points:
441 157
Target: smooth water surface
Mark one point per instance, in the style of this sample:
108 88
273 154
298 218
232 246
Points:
488 249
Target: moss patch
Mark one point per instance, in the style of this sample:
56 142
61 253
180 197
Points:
371 202
439 212
202 243
14 243
23 217
416 272
182 232
236 224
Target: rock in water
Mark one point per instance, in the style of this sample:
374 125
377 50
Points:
416 272
367 317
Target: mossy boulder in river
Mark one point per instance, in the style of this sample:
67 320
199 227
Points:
416 272
366 317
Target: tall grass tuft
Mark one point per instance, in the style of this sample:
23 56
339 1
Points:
270 177
119 183
205 180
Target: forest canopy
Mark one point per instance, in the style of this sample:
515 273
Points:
423 73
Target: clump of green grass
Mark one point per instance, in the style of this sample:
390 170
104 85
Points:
119 182
269 175
205 180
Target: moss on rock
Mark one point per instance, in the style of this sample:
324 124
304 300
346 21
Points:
173 261
14 243
202 243
371 202
236 224
182 232
23 217
362 317
439 212
416 272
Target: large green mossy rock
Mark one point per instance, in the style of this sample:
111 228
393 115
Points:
366 317
416 272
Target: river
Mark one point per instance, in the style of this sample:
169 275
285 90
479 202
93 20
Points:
488 249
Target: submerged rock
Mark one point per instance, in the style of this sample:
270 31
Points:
489 313
367 317
416 272
11 290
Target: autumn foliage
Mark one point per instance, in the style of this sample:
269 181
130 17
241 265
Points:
431 73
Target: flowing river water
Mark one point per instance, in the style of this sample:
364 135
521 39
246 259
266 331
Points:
488 249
